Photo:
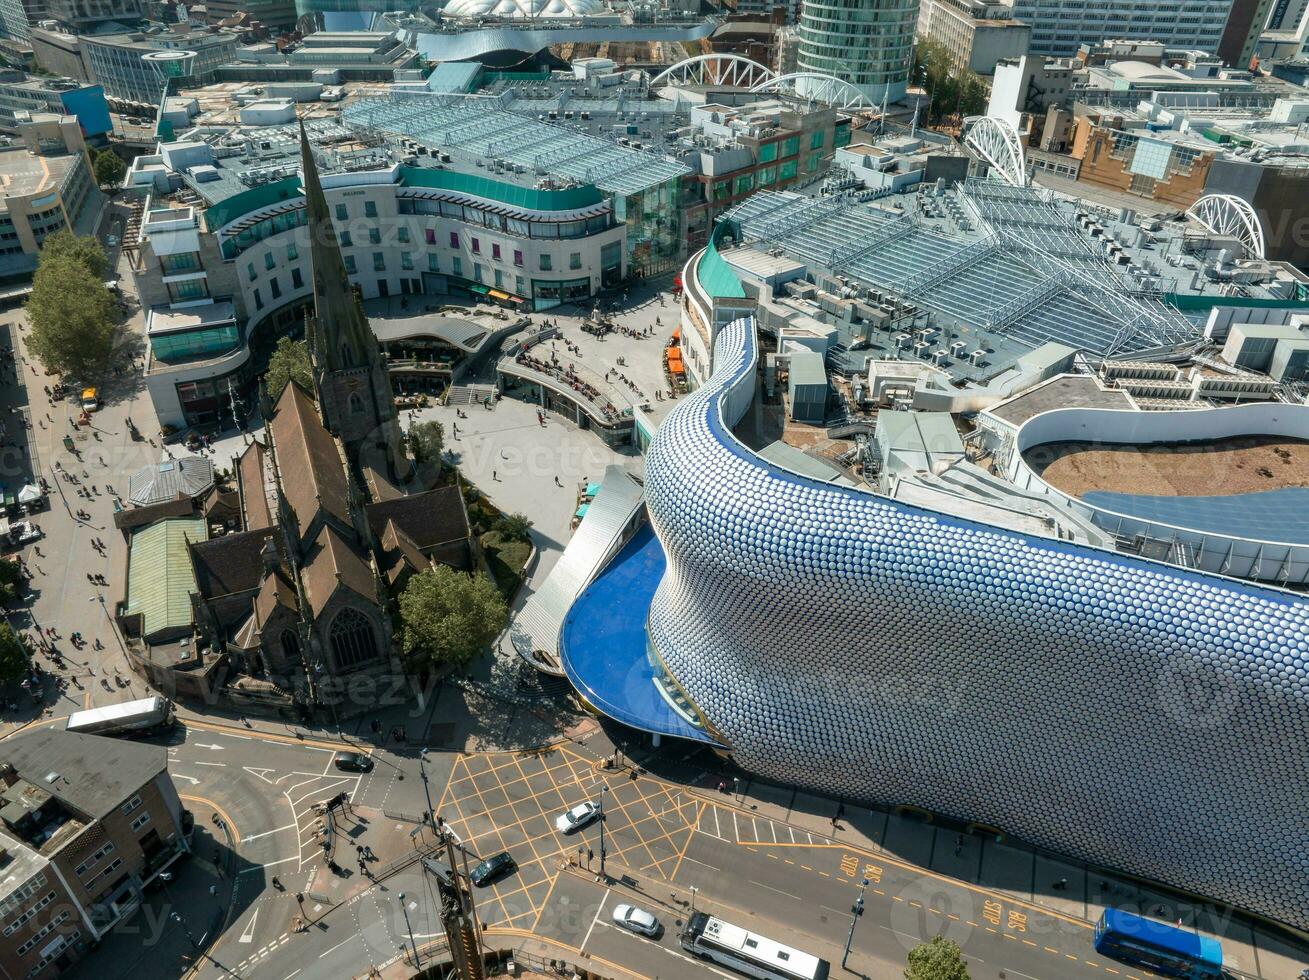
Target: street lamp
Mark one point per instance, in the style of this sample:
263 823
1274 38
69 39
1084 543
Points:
182 922
855 912
603 790
693 893
408 928
422 771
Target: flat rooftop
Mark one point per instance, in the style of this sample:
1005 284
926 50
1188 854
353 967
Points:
23 173
1068 391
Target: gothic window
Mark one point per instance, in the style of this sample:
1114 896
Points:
352 639
290 646
356 405
346 360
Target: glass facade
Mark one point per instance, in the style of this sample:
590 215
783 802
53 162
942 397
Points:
188 345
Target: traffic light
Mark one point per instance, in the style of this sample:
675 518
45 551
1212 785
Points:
858 908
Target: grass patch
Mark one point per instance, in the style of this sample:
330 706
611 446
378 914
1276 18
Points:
506 560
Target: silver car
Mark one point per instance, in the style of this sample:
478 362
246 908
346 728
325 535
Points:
636 919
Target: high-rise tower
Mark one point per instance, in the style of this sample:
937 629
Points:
868 43
350 380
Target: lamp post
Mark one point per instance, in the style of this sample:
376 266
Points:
603 790
427 793
408 928
185 928
693 893
855 912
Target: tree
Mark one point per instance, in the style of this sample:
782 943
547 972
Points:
426 440
72 317
15 656
83 248
449 617
11 577
290 362
941 959
109 168
513 527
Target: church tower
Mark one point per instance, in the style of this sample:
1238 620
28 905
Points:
350 379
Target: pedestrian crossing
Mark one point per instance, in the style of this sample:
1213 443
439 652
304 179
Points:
731 824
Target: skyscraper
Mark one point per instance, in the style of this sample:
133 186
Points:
868 43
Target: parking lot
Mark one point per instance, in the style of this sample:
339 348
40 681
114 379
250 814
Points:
509 801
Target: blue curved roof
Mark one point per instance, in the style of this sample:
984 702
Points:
602 642
1271 515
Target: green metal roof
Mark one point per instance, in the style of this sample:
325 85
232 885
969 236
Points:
160 578
498 190
715 275
252 200
1187 301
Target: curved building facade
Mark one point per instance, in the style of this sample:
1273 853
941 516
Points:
1130 713
868 43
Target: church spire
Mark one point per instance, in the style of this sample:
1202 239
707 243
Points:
351 380
339 334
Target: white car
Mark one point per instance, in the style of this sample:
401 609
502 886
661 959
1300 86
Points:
636 919
111 240
577 817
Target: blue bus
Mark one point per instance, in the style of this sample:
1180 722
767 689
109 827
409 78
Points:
1167 950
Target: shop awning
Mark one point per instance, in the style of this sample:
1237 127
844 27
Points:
496 294
478 289
592 489
677 334
581 511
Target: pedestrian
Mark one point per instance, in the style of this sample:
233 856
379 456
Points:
213 890
494 477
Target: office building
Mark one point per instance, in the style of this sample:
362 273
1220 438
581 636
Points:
22 94
868 43
976 33
86 823
48 188
17 18
1059 27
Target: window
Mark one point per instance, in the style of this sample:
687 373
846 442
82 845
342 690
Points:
259 301
791 146
345 239
131 805
356 404
816 141
495 251
743 184
98 856
140 821
292 253
545 262
341 213
575 260
429 235
454 239
433 262
458 265
499 279
276 287
350 264
477 245
370 209
181 292
352 639
407 261
403 235
518 257
297 280
379 261
374 236
250 271
767 152
269 262
477 271
519 285
290 646
171 265
767 175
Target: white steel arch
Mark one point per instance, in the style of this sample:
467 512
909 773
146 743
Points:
996 141
1231 216
714 69
820 88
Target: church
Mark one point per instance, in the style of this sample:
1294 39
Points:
300 597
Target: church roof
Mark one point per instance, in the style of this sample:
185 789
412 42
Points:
331 563
254 495
429 519
311 469
230 564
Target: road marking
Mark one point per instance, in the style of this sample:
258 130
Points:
248 934
587 937
718 831
290 975
224 764
736 831
267 832
191 779
207 745
338 945
777 890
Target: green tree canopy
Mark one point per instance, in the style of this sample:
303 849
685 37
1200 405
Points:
449 617
15 657
514 527
11 579
72 315
109 168
426 440
290 362
951 89
941 959
83 248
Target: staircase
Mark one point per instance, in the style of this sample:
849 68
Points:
469 394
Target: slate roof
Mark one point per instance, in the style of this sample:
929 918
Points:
311 469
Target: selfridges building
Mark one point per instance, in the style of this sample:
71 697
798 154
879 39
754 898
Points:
1130 713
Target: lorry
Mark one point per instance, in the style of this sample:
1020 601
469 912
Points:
128 717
